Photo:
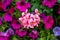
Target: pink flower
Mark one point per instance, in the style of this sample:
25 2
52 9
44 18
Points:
49 3
22 5
29 20
7 17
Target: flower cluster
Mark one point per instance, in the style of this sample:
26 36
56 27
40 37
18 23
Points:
30 20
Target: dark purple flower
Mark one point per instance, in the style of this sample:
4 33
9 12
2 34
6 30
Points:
15 24
11 10
49 3
33 34
7 17
10 31
0 21
56 31
21 33
22 5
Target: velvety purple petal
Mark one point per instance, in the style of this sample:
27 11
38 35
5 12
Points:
10 31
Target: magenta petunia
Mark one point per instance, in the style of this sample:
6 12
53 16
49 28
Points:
33 34
22 5
4 38
49 3
47 20
4 4
21 33
15 24
7 17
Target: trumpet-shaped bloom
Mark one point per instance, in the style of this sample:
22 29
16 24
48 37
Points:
49 3
10 31
21 33
7 17
47 20
56 31
15 24
33 34
22 5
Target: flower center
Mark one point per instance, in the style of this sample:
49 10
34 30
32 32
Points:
22 3
49 0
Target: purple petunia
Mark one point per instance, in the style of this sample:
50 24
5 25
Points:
7 17
21 33
10 31
33 34
22 5
49 3
15 24
56 31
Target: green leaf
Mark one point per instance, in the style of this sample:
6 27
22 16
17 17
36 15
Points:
58 1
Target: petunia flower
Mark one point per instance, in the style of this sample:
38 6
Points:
30 20
7 17
15 24
4 4
4 38
48 21
4 34
56 31
10 31
0 21
21 33
33 34
22 5
49 3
